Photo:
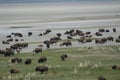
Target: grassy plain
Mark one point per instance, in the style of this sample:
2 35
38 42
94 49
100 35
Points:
83 63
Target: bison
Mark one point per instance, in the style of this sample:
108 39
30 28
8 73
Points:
41 69
119 37
100 41
69 37
8 36
101 30
107 30
7 52
53 41
29 34
28 61
5 42
17 34
14 71
63 57
59 35
42 59
40 34
19 46
110 38
98 34
101 78
78 31
18 60
10 40
37 50
114 30
47 31
118 40
16 40
47 43
115 67
81 40
67 43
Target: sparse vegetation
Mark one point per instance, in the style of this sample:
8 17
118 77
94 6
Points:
85 63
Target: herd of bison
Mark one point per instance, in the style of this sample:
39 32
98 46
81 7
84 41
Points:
84 37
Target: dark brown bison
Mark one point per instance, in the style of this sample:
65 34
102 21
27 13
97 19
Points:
81 40
37 50
28 61
115 67
101 30
41 69
118 40
81 34
10 40
78 31
101 78
17 34
70 32
5 42
24 45
18 60
69 37
7 52
47 43
59 34
29 34
107 30
98 34
14 71
88 33
42 59
19 46
16 40
63 57
53 42
40 34
55 38
114 30
67 32
14 46
101 41
110 38
66 43
8 36
119 37
47 31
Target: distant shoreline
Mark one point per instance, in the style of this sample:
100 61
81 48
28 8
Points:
67 19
